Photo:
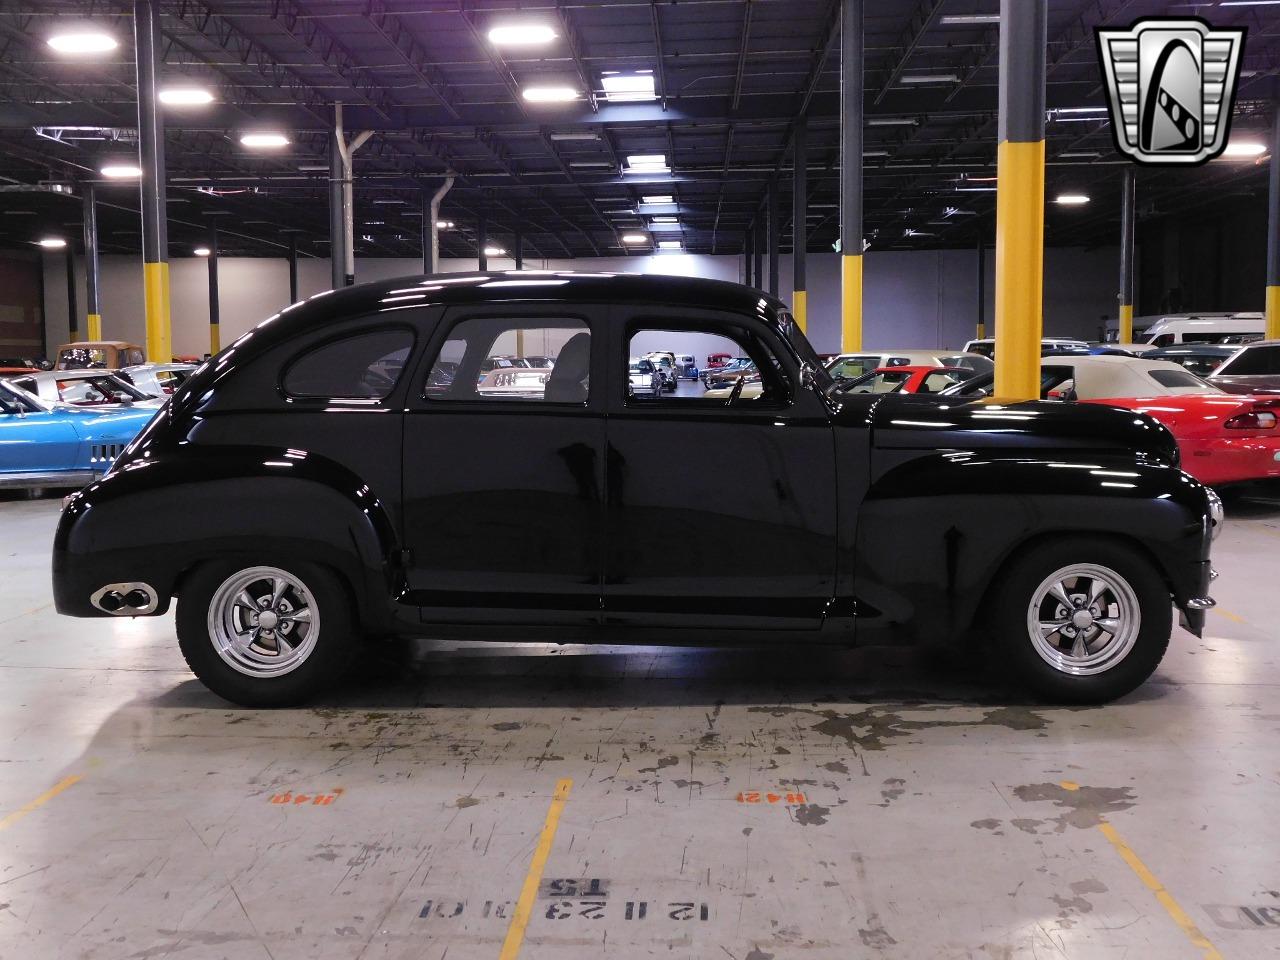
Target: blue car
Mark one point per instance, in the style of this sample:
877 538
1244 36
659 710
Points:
56 445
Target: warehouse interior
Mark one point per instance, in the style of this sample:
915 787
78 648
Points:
173 173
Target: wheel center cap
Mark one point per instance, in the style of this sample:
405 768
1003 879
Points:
269 619
1082 619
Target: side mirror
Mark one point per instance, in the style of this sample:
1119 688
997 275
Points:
807 378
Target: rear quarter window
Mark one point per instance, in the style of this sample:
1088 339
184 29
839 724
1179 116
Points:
1254 361
365 366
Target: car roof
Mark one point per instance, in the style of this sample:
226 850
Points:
1180 349
1110 376
98 343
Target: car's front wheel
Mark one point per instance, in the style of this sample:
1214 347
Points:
264 635
1081 620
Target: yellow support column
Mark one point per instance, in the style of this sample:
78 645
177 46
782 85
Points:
1126 323
155 224
1273 233
94 326
1020 199
851 119
800 309
155 298
850 303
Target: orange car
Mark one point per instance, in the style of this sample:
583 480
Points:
99 355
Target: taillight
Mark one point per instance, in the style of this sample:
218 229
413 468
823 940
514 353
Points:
1253 420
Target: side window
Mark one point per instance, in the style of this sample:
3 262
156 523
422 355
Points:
542 360
850 368
135 357
749 367
1255 361
938 381
365 367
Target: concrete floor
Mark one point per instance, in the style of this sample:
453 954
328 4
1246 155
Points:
724 803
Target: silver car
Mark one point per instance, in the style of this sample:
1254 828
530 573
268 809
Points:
643 378
158 379
84 388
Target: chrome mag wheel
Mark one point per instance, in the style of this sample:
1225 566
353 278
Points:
1084 619
263 622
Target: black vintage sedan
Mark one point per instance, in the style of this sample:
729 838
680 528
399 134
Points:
319 484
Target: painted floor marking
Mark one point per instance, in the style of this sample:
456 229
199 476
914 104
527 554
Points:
1233 617
529 892
1171 906
40 801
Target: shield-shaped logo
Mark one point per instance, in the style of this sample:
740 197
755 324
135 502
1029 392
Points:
1171 86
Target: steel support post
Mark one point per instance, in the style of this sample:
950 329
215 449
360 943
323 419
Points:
215 331
799 222
748 256
93 308
482 241
1273 234
851 121
980 328
73 311
155 225
1020 199
1128 220
293 267
337 243
775 236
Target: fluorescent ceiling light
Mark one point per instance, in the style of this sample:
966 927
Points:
201 251
1080 110
53 243
665 220
494 251
264 139
444 224
1249 3
634 238
663 198
120 171
590 164
576 135
521 35
314 167
1079 155
875 153
628 87
1071 199
549 94
647 163
83 39
928 78
1239 149
185 96
669 245
893 121
963 19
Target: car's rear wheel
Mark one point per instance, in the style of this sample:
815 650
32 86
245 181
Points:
264 635
1080 620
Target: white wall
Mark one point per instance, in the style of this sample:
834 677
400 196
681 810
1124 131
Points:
923 298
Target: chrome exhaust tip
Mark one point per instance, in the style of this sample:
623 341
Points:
126 599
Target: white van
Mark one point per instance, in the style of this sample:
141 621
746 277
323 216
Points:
1205 328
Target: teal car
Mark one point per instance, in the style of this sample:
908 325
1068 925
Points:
56 445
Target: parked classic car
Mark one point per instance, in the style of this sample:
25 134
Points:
157 379
850 366
666 368
909 379
1202 359
294 507
1049 345
1224 439
43 445
727 374
687 366
99 355
84 388
643 377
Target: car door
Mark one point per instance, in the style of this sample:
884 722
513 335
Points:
34 440
717 515
504 469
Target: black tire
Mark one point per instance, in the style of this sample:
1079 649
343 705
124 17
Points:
1020 582
326 661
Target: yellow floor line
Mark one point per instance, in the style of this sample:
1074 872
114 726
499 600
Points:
524 906
1233 617
40 801
1171 906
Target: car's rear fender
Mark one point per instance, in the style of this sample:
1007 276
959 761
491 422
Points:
152 521
969 513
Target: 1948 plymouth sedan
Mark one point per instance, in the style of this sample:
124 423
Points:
304 491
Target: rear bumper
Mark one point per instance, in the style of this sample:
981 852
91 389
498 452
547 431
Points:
1222 461
1192 609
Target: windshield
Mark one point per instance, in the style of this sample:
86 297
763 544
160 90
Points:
1181 381
98 390
15 400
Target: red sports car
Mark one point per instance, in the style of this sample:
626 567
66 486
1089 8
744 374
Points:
1224 438
910 379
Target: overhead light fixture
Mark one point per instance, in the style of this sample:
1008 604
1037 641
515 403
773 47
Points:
314 167
1079 155
647 163
591 164
521 35
912 78
120 171
1239 149
665 220
575 135
264 139
444 224
628 87
670 245
634 238
966 19
52 243
494 251
662 198
201 251
549 94
875 153
893 121
1079 110
185 96
82 39
1071 199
